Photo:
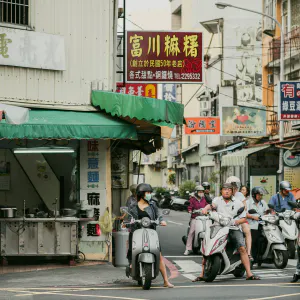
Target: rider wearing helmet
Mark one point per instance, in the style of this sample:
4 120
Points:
236 183
145 207
257 203
207 194
280 200
196 202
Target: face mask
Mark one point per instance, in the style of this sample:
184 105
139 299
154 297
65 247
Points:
200 195
148 197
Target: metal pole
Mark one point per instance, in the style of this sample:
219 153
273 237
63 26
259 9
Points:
281 124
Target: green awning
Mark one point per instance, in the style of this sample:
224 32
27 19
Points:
140 108
56 124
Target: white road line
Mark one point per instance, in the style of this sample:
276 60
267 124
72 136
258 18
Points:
175 223
183 256
188 266
190 276
292 262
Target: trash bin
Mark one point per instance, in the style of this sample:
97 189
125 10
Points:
121 247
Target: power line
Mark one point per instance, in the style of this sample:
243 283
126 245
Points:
134 23
194 95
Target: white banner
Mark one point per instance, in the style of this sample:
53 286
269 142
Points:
32 49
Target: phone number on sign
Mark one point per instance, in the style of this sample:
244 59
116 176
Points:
191 76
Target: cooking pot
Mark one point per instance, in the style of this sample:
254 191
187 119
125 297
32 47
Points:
68 212
8 212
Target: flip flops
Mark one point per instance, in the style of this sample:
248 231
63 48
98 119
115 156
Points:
199 278
253 277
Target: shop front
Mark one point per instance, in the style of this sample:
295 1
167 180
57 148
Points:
56 180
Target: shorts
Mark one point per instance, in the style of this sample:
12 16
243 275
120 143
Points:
237 238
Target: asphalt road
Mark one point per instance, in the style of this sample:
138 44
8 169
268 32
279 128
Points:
275 284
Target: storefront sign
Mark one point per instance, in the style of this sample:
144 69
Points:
202 125
243 121
120 168
169 92
173 148
31 49
289 106
267 182
291 160
138 89
93 176
162 56
292 175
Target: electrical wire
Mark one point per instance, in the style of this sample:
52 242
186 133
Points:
134 23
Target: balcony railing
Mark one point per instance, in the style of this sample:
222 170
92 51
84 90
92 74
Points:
291 45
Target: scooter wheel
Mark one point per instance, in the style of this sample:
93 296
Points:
140 282
147 276
282 259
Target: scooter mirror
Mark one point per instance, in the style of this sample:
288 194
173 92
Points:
252 211
271 206
124 209
292 204
166 212
240 210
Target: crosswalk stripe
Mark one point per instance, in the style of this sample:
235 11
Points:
188 266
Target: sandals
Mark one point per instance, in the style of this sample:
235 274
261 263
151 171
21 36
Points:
251 258
199 278
169 285
253 277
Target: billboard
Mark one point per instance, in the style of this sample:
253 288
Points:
202 125
289 104
164 56
138 89
243 121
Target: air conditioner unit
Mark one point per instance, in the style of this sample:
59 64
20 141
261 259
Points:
270 79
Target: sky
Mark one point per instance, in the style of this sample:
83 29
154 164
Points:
148 14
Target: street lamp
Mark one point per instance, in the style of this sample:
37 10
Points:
222 5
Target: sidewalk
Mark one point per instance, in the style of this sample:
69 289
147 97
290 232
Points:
70 276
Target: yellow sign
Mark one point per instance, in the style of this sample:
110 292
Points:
292 175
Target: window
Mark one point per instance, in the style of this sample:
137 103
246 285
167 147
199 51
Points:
14 12
285 16
295 13
269 10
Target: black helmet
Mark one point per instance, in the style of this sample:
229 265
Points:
285 185
227 186
142 188
257 190
206 185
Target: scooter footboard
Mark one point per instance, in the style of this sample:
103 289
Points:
278 247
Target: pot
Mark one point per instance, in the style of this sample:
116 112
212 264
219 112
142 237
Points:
8 212
68 212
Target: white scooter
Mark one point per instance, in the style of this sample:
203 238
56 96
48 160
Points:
200 227
289 231
272 247
221 257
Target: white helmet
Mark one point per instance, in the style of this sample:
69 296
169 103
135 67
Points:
234 181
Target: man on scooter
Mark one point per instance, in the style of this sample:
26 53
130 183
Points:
196 202
280 200
228 205
207 195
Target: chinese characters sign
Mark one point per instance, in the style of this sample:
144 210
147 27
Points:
203 125
138 89
243 121
93 163
289 100
169 92
160 56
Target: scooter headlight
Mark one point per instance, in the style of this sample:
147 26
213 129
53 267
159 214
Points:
146 222
272 219
224 221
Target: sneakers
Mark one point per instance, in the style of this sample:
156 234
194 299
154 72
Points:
295 278
187 252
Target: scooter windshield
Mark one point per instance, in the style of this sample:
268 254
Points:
214 229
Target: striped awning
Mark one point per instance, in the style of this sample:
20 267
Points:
238 158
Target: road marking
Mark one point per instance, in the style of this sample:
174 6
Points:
273 297
188 266
292 262
184 256
77 295
175 223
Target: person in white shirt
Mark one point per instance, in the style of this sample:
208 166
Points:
236 183
228 205
257 203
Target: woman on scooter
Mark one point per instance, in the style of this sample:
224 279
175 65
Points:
260 206
196 202
146 208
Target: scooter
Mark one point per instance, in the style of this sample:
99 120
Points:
289 231
220 256
145 251
272 247
199 231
